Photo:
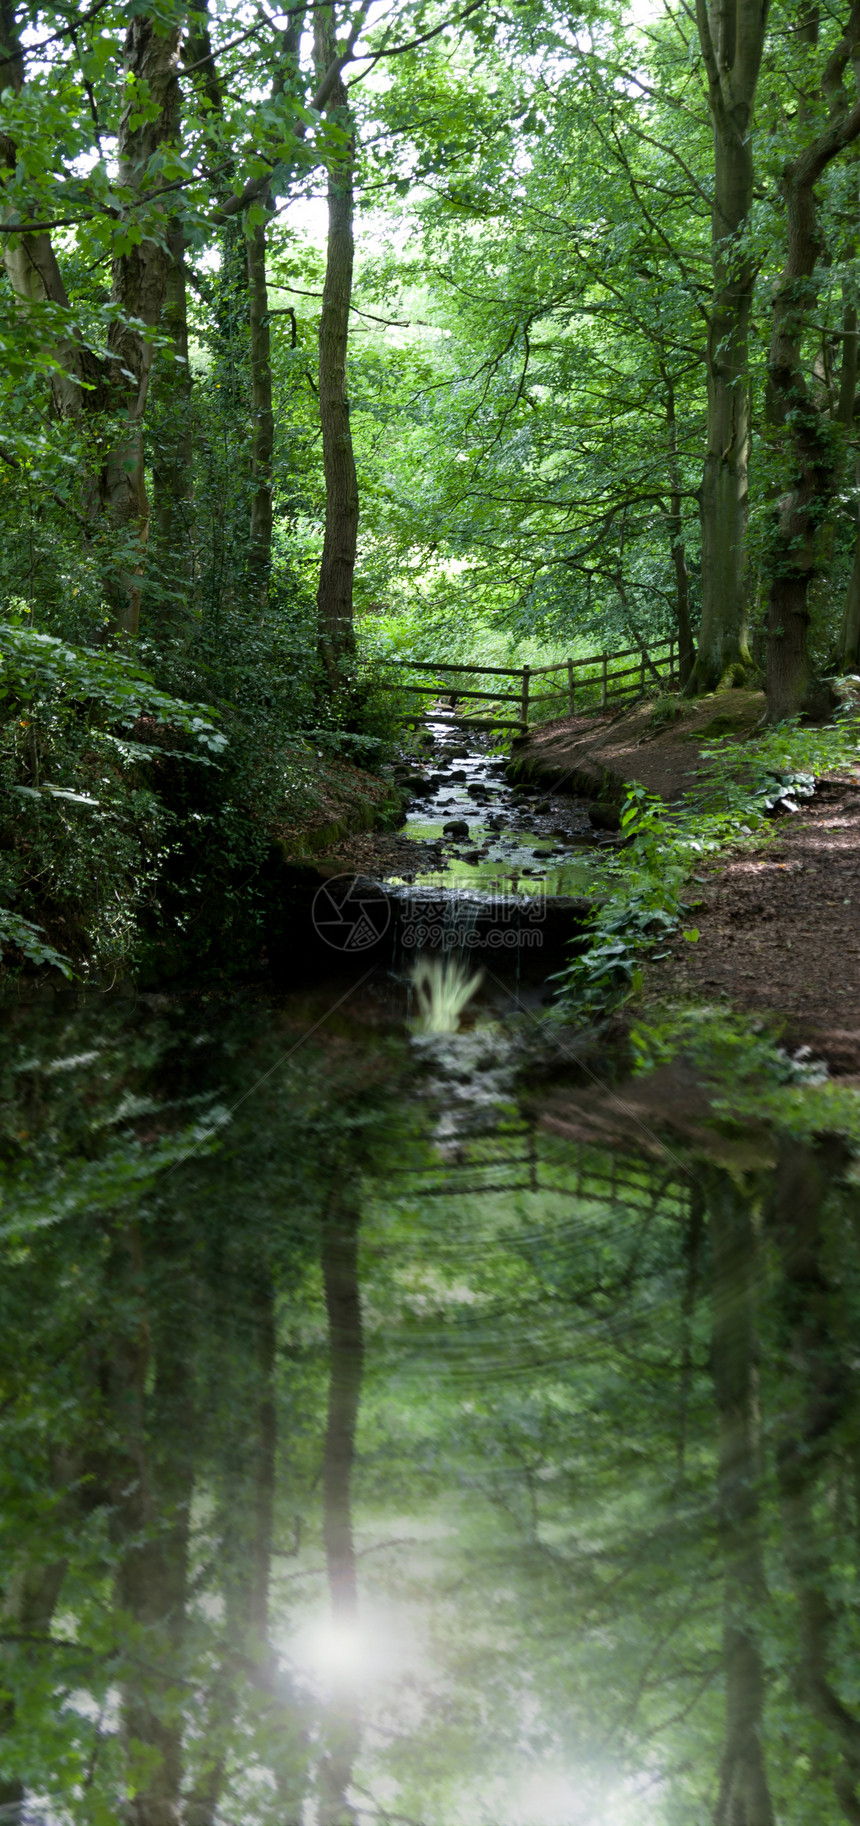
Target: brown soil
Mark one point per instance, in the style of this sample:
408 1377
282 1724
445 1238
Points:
780 929
384 853
596 755
646 1115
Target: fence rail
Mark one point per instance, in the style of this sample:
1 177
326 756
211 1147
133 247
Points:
595 680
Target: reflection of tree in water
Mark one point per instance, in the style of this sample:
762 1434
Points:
339 1255
604 1480
144 1410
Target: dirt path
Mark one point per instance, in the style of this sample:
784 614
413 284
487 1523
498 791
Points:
779 928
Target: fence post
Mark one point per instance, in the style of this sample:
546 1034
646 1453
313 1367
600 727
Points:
671 662
603 686
642 672
570 684
524 715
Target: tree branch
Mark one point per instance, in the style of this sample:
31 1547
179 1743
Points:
397 50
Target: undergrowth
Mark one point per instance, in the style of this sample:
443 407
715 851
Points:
136 826
84 832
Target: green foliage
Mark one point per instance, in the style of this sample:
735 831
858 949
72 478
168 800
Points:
45 675
640 891
669 710
780 762
82 835
549 388
21 935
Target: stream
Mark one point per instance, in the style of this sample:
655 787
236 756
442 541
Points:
518 838
367 1367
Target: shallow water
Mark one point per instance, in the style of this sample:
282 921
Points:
511 846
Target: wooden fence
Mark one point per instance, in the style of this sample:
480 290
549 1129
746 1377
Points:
584 684
516 1157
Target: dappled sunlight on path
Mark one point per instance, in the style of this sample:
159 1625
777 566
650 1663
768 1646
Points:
779 930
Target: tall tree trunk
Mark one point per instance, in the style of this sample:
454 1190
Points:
731 34
263 435
675 529
264 1464
263 420
140 281
849 633
172 472
263 432
813 1361
346 1357
724 631
744 1795
848 654
31 264
117 496
693 1240
247 1529
337 568
801 429
152 1479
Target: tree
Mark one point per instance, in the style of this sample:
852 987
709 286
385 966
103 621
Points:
116 499
803 428
550 430
744 1794
732 38
337 565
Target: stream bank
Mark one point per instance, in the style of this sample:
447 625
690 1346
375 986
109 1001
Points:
778 929
480 865
659 743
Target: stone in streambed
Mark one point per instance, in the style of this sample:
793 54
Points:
456 828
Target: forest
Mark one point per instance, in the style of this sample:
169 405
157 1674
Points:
331 338
429 1116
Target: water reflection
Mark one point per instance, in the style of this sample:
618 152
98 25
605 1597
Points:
396 1431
